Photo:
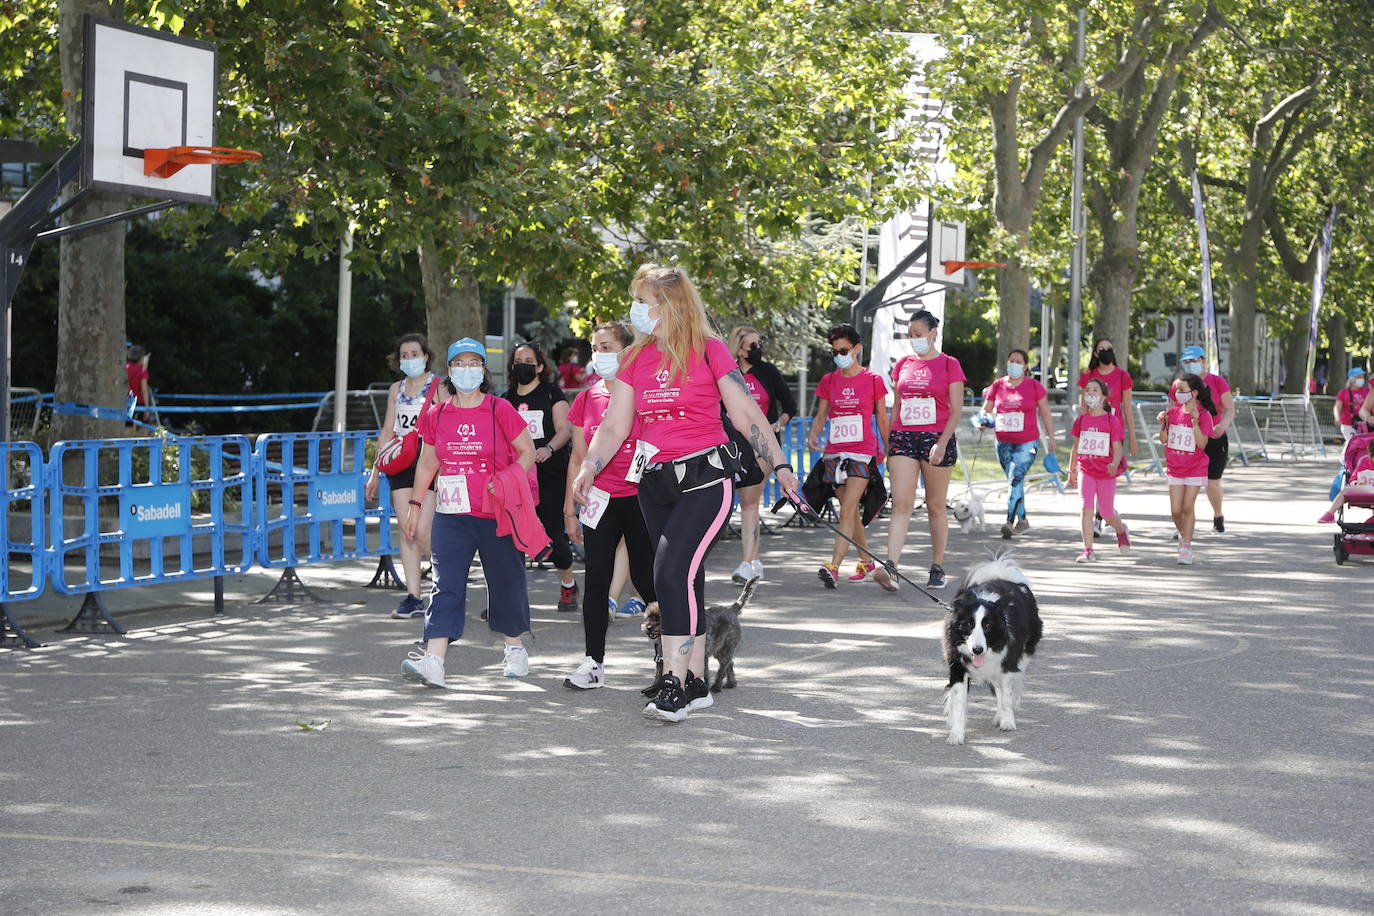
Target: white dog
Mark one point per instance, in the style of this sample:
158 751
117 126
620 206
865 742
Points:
968 512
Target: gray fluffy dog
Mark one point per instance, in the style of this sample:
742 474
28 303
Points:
722 638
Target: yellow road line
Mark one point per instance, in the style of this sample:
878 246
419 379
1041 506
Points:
550 872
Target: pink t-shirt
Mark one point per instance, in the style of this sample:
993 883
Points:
1014 409
758 391
1215 384
1185 460
1351 400
1118 383
922 387
853 400
679 415
1363 475
465 442
1095 436
588 408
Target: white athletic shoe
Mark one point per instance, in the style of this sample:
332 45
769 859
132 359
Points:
758 569
1185 554
425 668
743 573
517 661
588 675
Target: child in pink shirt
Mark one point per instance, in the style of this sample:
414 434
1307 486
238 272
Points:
1185 429
1098 452
1361 483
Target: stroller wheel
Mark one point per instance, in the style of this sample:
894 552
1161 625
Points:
1341 553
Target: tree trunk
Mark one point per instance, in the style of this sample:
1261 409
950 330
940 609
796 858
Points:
90 324
1112 276
1242 264
453 305
1295 359
1013 318
1337 359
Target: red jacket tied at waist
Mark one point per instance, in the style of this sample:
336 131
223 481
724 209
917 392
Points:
512 502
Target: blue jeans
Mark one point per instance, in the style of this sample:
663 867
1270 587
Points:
455 539
1016 458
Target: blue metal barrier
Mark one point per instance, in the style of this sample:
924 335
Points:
310 505
129 512
22 489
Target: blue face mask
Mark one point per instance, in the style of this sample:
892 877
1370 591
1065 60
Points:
844 360
466 379
639 317
1192 368
413 368
1015 370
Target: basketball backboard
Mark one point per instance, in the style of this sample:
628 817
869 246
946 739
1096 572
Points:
146 89
946 244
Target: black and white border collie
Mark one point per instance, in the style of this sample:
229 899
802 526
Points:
990 633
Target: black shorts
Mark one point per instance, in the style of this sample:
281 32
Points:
1218 453
405 480
907 443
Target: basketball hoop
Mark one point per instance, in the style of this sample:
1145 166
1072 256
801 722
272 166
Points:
166 162
952 266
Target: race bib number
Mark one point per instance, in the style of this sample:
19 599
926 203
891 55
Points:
406 417
846 429
595 507
644 455
1094 444
534 423
1012 421
452 496
1181 438
918 411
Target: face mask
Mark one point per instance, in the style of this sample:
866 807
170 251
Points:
606 364
921 345
1359 383
466 379
639 317
1016 370
1184 396
844 361
413 368
754 353
524 373
1193 368
1107 357
1092 400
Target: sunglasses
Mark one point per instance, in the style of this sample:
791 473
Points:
834 352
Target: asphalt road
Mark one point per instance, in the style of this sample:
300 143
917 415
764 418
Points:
1193 741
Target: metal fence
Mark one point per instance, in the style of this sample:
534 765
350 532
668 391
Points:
23 532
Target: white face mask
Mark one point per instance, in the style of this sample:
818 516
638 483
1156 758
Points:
921 345
413 368
639 317
1092 400
1016 370
466 379
1359 382
1183 396
1193 368
606 365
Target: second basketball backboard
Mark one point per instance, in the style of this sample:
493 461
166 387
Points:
947 238
146 89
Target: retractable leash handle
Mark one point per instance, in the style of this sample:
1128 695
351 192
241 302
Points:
804 507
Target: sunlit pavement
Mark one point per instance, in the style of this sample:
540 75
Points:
1193 740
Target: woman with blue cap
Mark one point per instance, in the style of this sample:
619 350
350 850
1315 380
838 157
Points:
1193 361
1350 402
468 442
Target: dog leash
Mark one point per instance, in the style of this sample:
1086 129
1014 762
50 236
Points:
804 507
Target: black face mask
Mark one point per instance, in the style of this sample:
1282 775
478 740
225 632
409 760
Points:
524 373
1107 357
754 353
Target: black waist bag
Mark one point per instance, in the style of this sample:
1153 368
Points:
665 483
661 484
739 458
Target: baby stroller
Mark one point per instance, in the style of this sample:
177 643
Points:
1355 538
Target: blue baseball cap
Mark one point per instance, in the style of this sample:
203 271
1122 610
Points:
1193 353
466 345
1354 371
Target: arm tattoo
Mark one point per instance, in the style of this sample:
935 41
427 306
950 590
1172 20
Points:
737 377
597 465
758 444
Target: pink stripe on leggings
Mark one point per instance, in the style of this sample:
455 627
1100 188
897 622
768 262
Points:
727 488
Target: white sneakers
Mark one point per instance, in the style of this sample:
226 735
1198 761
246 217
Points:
588 675
517 661
425 668
748 569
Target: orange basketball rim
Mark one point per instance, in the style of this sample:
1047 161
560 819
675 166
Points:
166 162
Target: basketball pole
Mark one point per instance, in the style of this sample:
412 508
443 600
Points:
341 341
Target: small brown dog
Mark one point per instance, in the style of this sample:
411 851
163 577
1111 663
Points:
722 639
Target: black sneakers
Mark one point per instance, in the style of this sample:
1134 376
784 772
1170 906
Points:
671 703
698 693
567 598
1219 525
937 576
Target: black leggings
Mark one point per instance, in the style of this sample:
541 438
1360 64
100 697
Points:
622 519
683 535
550 512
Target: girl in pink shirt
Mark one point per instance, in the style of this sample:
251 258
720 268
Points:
850 399
1185 429
929 389
1099 455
